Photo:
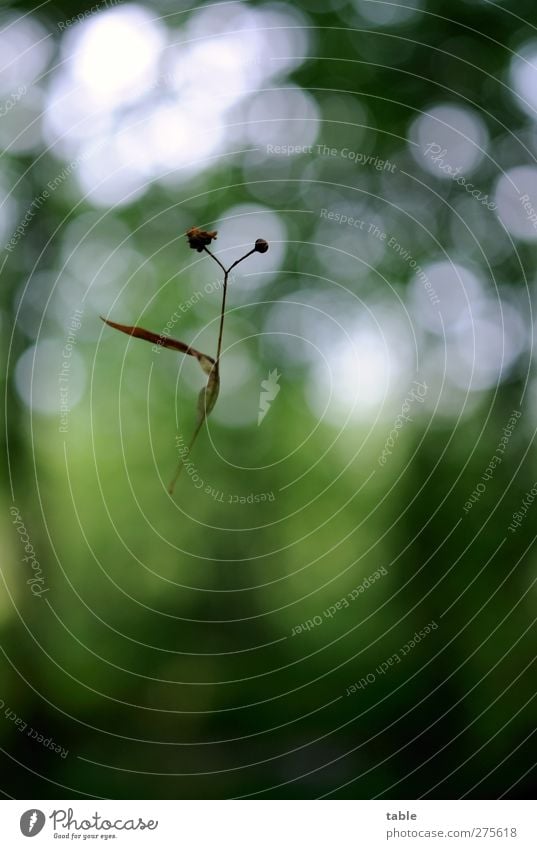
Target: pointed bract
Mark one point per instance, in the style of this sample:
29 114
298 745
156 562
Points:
206 362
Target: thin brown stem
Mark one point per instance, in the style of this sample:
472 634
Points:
221 329
179 469
216 366
223 310
233 264
222 266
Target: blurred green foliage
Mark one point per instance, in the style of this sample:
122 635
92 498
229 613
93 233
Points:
161 657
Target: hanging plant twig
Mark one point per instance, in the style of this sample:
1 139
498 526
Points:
199 240
205 361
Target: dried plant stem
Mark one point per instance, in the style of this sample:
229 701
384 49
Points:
223 309
222 266
221 328
171 485
206 400
209 394
198 239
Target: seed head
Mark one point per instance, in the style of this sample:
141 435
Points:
199 239
261 246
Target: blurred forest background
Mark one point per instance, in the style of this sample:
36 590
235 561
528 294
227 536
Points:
196 646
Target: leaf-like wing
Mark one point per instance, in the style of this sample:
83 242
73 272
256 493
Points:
208 395
206 400
206 362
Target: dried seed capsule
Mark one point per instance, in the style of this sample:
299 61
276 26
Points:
198 239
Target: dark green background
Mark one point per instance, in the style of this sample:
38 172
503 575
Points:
163 653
